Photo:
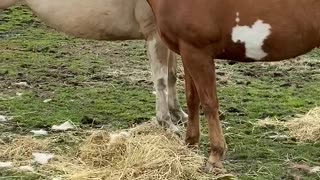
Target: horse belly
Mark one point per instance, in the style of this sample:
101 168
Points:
275 48
94 19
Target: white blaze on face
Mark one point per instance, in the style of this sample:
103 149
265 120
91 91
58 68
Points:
253 37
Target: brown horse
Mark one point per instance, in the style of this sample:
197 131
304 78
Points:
245 31
116 20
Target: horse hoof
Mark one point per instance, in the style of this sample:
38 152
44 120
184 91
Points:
179 117
214 168
175 130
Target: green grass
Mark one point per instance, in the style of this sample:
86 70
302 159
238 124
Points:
110 83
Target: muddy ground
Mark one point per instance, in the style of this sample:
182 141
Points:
108 83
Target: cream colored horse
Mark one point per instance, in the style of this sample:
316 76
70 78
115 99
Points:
116 20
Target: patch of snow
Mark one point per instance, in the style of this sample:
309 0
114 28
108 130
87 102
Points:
19 94
22 84
315 169
56 178
26 168
40 132
3 118
42 158
125 134
279 137
6 165
47 100
63 127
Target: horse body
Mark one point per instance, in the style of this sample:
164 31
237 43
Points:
244 31
98 19
116 20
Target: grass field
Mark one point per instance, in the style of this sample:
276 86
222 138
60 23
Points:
109 82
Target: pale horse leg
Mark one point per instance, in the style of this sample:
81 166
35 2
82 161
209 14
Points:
164 78
178 116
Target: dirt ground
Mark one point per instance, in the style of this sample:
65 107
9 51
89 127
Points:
95 84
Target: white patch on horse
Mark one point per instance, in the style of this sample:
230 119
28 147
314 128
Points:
238 18
253 38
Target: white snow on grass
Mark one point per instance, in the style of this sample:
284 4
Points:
19 94
315 169
6 165
63 127
42 158
22 84
47 100
26 168
4 118
40 132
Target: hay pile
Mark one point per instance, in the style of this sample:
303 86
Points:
21 148
307 127
304 128
143 153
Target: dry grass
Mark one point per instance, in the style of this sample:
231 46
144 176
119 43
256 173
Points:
146 152
307 127
304 128
21 148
